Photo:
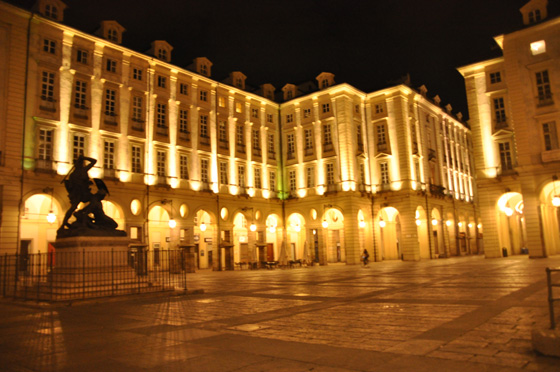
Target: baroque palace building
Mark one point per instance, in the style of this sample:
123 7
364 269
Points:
192 161
514 113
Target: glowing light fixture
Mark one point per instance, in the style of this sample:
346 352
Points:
448 223
297 228
272 229
479 226
382 224
172 223
51 217
362 224
434 222
253 227
460 224
202 226
470 225
325 224
418 222
508 211
556 197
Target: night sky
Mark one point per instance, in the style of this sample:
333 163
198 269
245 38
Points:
369 44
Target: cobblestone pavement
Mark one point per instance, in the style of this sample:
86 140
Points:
458 314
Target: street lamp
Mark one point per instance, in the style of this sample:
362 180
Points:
252 227
51 217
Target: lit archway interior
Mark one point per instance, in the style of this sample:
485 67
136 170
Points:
423 230
550 211
296 238
333 229
390 232
511 223
203 237
36 231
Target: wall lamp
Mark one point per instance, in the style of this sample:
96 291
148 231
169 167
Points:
252 227
51 217
556 197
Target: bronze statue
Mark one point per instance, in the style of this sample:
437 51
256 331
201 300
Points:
91 220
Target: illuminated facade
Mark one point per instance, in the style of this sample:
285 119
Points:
514 114
191 161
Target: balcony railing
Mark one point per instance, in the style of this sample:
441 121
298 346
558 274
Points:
110 118
162 131
382 147
309 151
205 140
138 124
545 99
256 152
223 144
240 148
47 104
44 164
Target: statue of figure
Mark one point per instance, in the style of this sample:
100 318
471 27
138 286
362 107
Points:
91 220
78 185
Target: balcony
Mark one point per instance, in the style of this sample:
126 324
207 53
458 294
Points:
501 123
256 152
272 155
437 190
382 147
291 155
331 188
48 104
328 147
431 154
110 173
137 124
309 151
81 112
162 131
110 118
44 165
224 145
545 99
205 140
240 148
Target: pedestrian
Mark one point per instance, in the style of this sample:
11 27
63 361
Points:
365 257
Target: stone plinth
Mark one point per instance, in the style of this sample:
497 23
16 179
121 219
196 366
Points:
91 252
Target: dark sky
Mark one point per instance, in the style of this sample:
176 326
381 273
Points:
366 43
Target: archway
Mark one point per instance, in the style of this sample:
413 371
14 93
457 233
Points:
422 231
273 239
437 233
511 224
203 236
296 237
36 229
550 212
241 251
390 233
333 230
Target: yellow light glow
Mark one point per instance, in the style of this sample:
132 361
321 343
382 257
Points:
508 211
434 222
233 190
362 224
470 225
172 223
448 223
297 228
202 227
302 192
320 190
538 47
266 194
460 224
174 183
251 192
479 226
325 224
382 224
272 229
51 217
418 222
124 176
195 185
556 201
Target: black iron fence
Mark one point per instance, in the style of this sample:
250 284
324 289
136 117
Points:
57 276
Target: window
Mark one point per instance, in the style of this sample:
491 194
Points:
379 108
113 35
255 113
51 12
269 118
137 73
161 163
292 180
109 155
543 88
310 175
224 172
239 136
45 144
80 94
203 96
272 179
78 146
330 173
306 112
538 47
550 136
381 136
238 107
162 81
222 131
356 109
137 108
183 89
289 118
271 147
495 77
308 139
326 108
204 170
241 175
257 176
162 54
183 166
291 145
47 86
184 121
82 56
161 114
49 46
111 65
289 94
204 70
110 102
499 112
324 83
535 16
222 101
204 126
384 173
327 136
505 156
136 159
360 140
362 173
256 140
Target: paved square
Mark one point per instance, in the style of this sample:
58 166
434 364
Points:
458 314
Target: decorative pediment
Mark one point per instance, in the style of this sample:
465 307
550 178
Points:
52 9
112 31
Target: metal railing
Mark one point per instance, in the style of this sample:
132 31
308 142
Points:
57 276
551 298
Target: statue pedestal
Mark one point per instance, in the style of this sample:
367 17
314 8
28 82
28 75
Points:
88 266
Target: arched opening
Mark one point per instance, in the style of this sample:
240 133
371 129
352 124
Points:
159 233
333 230
39 222
437 233
422 231
273 239
241 251
296 237
204 245
550 212
511 223
390 234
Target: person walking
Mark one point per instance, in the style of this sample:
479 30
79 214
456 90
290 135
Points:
365 257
